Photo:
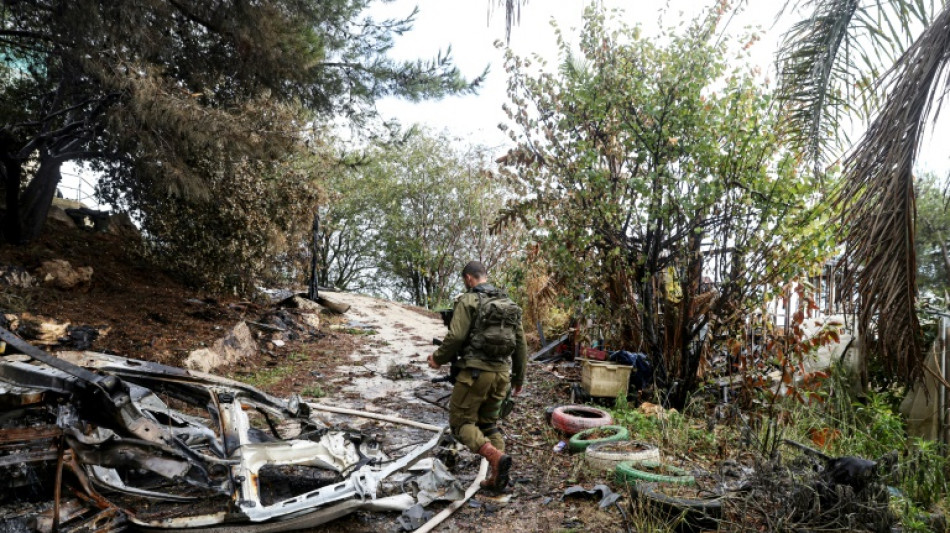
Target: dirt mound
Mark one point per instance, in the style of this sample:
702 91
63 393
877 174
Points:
146 313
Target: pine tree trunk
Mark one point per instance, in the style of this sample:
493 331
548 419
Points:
38 196
12 178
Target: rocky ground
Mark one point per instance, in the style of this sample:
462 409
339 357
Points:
371 358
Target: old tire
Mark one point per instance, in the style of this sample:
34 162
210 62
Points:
607 455
632 472
573 419
700 513
580 441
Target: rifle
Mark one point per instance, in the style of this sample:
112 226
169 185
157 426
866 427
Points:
454 368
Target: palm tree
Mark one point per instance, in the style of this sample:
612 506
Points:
826 62
512 13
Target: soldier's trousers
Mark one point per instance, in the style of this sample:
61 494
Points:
475 406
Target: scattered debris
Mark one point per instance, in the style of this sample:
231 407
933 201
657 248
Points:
16 277
652 409
81 337
48 332
447 512
290 324
544 354
300 301
855 472
129 439
607 496
39 329
798 495
60 273
414 517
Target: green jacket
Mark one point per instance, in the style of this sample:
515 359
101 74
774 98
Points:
466 305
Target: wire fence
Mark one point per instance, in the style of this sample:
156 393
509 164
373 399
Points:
83 191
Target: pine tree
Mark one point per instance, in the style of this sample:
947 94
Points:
163 95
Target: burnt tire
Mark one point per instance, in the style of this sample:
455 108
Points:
699 513
573 419
649 471
607 455
580 441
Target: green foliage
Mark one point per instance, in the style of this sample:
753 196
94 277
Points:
672 431
644 168
229 240
873 429
924 472
405 219
830 62
839 426
933 216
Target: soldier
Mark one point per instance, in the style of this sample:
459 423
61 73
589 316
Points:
487 338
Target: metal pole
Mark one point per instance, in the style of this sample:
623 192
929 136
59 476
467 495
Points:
943 372
312 292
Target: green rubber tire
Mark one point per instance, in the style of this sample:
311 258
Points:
579 441
632 472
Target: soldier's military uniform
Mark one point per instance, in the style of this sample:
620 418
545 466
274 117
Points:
482 385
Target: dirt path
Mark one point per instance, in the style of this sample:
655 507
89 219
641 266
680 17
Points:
387 372
398 341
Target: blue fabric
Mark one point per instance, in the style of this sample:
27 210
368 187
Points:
643 370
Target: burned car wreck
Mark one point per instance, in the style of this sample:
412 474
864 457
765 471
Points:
113 442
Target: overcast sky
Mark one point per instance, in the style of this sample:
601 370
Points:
465 26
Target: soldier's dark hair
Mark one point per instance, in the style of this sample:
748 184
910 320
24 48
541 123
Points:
475 269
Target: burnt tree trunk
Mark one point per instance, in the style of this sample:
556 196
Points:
690 347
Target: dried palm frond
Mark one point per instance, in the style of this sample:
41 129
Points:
827 63
512 13
877 202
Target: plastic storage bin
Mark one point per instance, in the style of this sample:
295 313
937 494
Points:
604 379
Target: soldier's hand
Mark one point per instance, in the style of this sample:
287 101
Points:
516 390
432 363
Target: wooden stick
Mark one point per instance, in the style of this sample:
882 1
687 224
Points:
472 489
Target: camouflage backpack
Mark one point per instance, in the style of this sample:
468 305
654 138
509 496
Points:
494 333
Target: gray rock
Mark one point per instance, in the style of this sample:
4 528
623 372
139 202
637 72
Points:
237 345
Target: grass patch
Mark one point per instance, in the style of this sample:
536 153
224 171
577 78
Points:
313 391
12 301
359 331
264 377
